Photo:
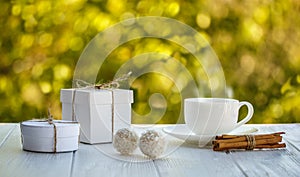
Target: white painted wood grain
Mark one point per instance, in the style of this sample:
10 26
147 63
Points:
91 160
192 161
5 131
292 135
275 162
14 162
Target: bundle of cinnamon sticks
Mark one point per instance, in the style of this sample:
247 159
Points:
248 142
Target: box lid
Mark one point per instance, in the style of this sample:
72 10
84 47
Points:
44 129
96 96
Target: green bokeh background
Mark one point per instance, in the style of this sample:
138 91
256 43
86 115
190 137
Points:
257 42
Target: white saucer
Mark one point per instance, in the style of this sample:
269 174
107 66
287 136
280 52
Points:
181 131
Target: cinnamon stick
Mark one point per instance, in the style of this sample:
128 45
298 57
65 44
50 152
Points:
264 146
240 138
256 136
248 142
245 143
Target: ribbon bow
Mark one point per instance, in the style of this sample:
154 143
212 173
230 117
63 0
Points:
107 85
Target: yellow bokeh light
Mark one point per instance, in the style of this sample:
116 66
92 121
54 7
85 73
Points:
203 20
261 15
173 9
20 66
60 18
101 22
156 11
116 6
28 11
16 10
175 98
143 6
127 15
32 95
74 4
164 49
81 25
61 45
45 40
30 23
253 30
26 40
76 43
247 64
206 37
124 54
45 87
62 72
277 110
256 32
161 82
3 83
37 70
43 7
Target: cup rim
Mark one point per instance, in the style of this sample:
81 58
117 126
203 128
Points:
209 100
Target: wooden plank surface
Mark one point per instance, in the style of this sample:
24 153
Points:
14 162
186 160
5 131
194 162
93 160
279 162
292 136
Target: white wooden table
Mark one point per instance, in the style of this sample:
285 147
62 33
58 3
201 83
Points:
186 160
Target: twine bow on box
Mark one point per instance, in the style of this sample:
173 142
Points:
114 84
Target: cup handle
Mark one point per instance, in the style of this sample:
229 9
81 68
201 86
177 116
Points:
249 115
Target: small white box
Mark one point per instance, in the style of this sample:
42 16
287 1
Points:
93 108
40 136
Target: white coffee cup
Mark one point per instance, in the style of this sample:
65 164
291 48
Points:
212 116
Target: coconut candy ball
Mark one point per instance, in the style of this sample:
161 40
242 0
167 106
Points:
125 141
152 143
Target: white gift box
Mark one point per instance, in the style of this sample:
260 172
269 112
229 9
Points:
99 112
40 136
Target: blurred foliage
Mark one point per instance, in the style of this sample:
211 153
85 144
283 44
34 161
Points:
256 41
